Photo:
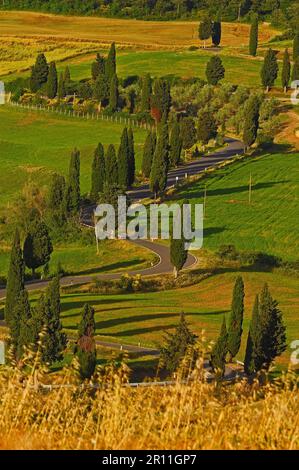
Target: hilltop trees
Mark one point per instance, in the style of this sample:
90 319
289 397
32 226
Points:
39 73
177 345
148 153
236 319
215 70
251 124
269 70
86 348
267 335
52 81
253 42
159 170
97 173
286 71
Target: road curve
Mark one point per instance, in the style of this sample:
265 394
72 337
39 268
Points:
164 266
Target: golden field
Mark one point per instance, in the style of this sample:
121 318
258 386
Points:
200 416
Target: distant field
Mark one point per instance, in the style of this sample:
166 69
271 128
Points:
270 223
33 145
131 32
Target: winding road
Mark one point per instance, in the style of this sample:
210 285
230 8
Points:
233 148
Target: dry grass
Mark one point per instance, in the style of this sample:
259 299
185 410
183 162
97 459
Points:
195 416
130 32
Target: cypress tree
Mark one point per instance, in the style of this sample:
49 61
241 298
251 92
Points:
216 32
25 336
113 97
296 46
161 99
55 201
72 194
98 67
254 31
123 160
39 73
146 92
176 345
252 340
207 127
159 170
86 347
269 70
215 70
52 82
175 145
132 166
236 319
188 132
295 71
286 71
110 63
101 89
97 173
37 246
15 279
61 87
111 168
251 124
178 255
219 351
205 29
67 75
148 154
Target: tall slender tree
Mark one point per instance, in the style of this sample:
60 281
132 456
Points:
111 167
86 347
132 165
254 31
219 351
22 332
97 173
113 96
205 29
296 46
215 70
110 63
286 71
175 144
61 91
146 91
178 255
72 194
39 73
207 127
235 328
253 340
160 100
52 81
159 170
15 279
295 70
148 153
123 160
216 31
269 71
251 124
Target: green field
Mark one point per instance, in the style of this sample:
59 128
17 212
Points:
144 318
270 223
33 145
185 64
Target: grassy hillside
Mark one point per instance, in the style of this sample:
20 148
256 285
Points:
269 224
33 145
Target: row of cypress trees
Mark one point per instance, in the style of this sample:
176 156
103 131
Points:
266 337
113 168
